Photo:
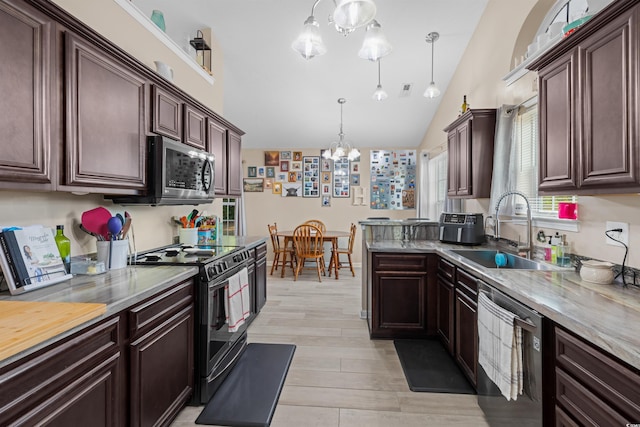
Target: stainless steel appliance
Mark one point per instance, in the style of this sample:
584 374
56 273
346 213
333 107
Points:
216 349
527 409
177 174
462 228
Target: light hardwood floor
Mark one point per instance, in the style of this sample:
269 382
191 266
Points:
339 377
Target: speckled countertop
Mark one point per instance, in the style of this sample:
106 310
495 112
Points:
606 315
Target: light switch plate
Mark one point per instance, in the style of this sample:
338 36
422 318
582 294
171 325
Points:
622 236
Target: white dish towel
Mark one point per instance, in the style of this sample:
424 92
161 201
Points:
500 347
237 302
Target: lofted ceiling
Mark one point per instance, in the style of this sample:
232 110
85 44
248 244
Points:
284 101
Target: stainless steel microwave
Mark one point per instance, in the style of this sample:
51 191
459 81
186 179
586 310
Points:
177 174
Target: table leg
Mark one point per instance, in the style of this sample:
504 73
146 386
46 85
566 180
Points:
334 254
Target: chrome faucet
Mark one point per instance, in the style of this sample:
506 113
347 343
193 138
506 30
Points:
496 234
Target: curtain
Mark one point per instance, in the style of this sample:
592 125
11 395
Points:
504 176
425 190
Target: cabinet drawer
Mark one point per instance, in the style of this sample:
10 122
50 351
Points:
585 406
612 381
261 252
446 269
146 315
399 262
467 284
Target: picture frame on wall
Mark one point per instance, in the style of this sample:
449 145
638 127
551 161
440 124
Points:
271 158
291 189
326 189
326 201
341 182
284 165
293 177
311 176
268 183
281 177
355 179
326 163
271 172
261 171
285 155
252 171
253 185
326 177
297 156
355 167
277 188
296 166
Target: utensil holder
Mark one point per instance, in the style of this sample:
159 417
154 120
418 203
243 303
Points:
116 251
188 236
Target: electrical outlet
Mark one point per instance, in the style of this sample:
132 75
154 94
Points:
622 236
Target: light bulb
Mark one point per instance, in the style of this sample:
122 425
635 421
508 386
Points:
379 94
432 91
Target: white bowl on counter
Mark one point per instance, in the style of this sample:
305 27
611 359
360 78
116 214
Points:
598 272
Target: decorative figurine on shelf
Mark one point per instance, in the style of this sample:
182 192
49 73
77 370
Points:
158 18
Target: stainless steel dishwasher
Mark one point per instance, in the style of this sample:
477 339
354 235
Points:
527 409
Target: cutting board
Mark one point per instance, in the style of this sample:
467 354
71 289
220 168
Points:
24 324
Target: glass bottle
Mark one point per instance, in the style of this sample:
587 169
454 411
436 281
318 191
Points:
465 106
64 246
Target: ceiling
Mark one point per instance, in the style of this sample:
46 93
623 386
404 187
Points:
283 101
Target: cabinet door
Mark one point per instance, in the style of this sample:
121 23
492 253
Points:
261 277
608 107
557 139
167 114
105 121
26 103
162 370
452 164
400 305
463 135
466 339
234 164
445 311
217 145
195 127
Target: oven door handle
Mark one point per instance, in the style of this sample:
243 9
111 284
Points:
525 324
220 372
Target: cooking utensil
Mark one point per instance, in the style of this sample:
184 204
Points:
120 217
97 236
114 225
95 220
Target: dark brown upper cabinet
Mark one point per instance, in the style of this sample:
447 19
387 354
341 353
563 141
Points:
470 154
195 127
217 145
167 114
234 164
589 104
26 85
105 120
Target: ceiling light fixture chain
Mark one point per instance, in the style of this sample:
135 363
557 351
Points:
341 148
432 90
379 94
347 16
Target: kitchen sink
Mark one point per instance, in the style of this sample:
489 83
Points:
486 258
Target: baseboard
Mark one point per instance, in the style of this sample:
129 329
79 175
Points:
364 314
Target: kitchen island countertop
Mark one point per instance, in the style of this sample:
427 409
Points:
605 315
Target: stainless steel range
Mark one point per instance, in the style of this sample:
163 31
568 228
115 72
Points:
216 349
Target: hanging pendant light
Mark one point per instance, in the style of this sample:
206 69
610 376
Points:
352 14
341 148
379 94
432 90
375 44
309 43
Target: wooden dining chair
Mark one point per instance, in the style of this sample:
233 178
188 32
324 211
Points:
307 241
318 224
280 253
345 251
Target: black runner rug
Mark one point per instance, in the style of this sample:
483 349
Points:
249 395
428 367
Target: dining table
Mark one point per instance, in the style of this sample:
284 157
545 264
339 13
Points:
330 236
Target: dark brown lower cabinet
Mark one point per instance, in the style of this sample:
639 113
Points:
401 296
445 304
76 382
261 277
466 324
592 387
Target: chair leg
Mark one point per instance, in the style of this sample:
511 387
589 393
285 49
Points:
318 261
297 271
276 257
331 263
353 273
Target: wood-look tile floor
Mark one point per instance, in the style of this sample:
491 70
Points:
338 376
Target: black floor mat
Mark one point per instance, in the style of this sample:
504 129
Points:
248 396
429 367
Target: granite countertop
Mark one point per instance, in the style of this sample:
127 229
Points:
606 315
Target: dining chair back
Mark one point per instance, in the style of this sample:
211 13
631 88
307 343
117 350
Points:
308 244
318 224
348 251
280 253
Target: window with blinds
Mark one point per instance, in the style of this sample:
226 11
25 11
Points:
437 184
526 138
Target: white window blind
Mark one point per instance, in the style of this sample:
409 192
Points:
437 184
527 164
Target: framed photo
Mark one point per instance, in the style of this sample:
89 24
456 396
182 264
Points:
284 165
341 183
326 164
253 185
355 179
277 188
355 167
282 177
326 189
252 171
296 166
293 177
311 176
297 156
271 172
261 171
291 189
326 177
268 184
326 201
285 155
271 158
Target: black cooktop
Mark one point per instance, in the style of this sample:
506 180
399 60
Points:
185 255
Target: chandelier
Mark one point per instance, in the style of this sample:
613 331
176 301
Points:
341 148
347 16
